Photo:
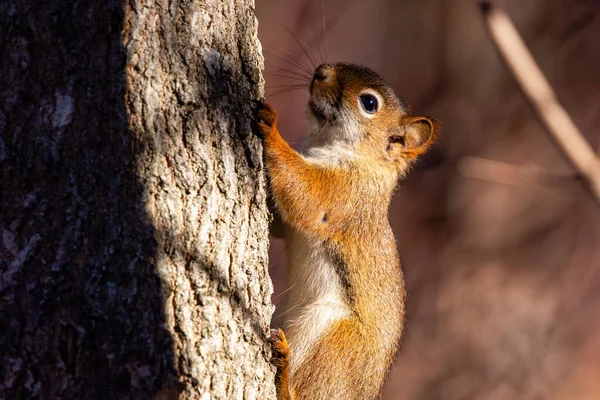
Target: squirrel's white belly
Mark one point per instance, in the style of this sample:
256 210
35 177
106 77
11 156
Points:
315 300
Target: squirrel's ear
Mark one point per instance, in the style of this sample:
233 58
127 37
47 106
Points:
412 137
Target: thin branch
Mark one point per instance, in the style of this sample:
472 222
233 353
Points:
512 174
539 93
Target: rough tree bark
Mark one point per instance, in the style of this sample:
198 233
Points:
133 256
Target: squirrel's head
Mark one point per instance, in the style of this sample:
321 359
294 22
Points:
352 107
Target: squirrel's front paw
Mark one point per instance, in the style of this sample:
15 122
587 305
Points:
265 118
279 346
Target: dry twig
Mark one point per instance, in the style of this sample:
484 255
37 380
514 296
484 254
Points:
512 174
539 93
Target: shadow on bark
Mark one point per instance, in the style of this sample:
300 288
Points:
81 305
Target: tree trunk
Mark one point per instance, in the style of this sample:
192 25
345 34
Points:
133 257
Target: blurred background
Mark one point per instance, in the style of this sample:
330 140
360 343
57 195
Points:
499 242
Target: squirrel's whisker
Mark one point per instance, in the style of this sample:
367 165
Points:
302 79
293 62
277 92
312 22
295 73
303 47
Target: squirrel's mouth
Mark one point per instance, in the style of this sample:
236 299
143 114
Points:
324 107
323 94
317 111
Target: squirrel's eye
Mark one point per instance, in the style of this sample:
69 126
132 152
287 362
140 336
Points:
369 103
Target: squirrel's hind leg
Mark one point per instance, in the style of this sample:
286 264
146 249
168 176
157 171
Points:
280 359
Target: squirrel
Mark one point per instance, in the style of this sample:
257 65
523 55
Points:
347 293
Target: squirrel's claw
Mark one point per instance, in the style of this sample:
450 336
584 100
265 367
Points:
279 346
265 117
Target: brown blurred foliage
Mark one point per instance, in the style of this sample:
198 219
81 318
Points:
499 242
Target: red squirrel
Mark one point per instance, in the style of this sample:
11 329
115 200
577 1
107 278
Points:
346 300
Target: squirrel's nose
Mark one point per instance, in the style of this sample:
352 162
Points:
323 72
